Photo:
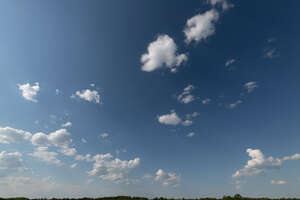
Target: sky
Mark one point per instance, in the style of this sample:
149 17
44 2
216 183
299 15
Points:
146 98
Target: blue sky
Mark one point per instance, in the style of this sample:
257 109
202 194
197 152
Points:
149 98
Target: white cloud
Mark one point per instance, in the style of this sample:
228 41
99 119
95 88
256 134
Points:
235 104
68 151
250 86
86 157
166 178
57 92
201 26
10 163
162 53
206 101
11 135
104 135
229 62
59 138
191 134
224 4
192 115
292 157
88 95
186 97
271 53
257 164
187 122
46 156
29 92
169 119
83 140
277 182
73 165
112 169
67 124
92 84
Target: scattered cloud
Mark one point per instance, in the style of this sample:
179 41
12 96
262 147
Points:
250 86
46 156
29 92
235 104
192 115
104 135
10 162
166 178
187 122
277 182
191 134
88 95
67 124
162 53
169 119
201 26
59 138
186 97
206 101
112 169
229 62
11 135
83 140
225 5
73 165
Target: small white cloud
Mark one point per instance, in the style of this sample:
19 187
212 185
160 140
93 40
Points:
250 86
11 135
270 53
166 178
191 134
162 53
83 140
57 92
186 97
192 115
169 119
235 104
59 138
46 156
87 158
68 151
92 85
229 62
206 101
277 182
201 26
73 165
104 135
88 95
187 122
224 4
67 124
29 92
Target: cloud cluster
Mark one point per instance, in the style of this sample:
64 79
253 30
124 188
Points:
162 53
166 178
29 92
201 26
88 95
11 135
46 156
10 162
59 138
186 96
112 169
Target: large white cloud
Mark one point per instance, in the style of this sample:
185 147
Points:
59 138
46 156
169 119
88 95
112 169
29 92
201 26
10 162
166 178
162 53
186 96
11 135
